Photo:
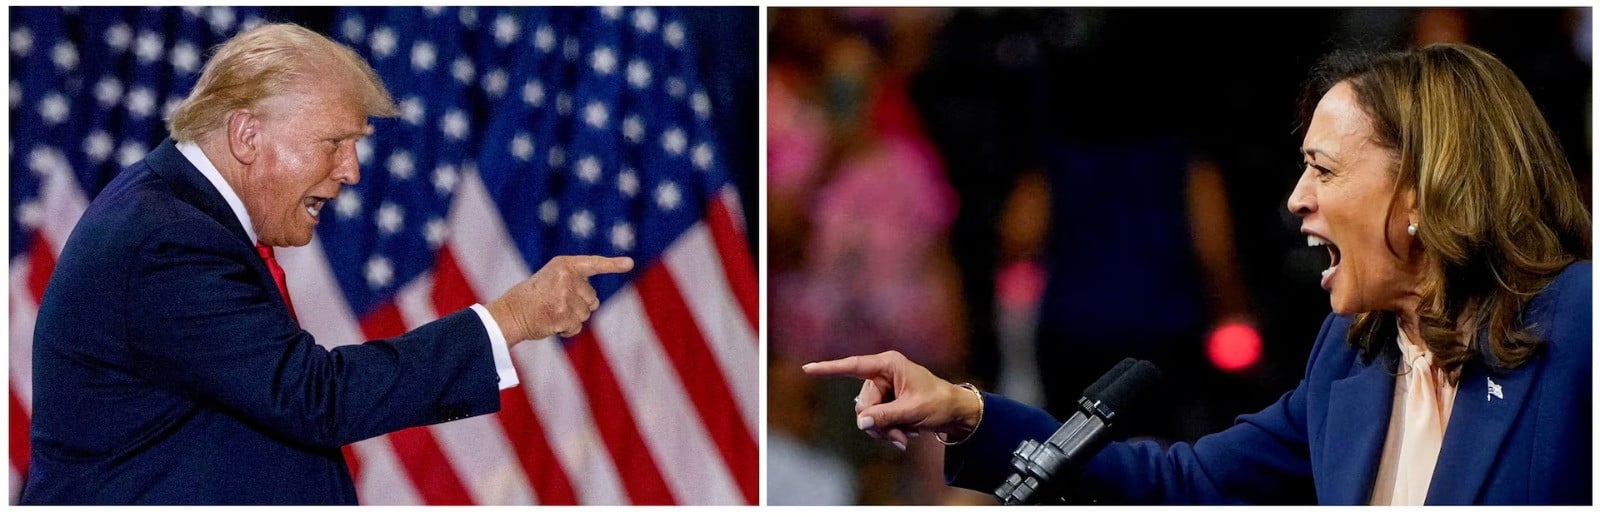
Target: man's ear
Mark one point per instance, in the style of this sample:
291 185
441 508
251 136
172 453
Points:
244 135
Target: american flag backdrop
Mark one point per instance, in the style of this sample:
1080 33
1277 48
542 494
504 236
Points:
525 133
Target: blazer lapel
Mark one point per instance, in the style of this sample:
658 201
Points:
1487 404
1357 422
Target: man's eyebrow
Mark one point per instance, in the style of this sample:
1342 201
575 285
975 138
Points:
364 131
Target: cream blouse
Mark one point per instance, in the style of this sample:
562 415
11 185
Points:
1423 398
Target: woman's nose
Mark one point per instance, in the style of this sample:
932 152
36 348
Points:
1303 200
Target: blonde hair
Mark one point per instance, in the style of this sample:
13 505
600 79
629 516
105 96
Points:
1500 214
263 62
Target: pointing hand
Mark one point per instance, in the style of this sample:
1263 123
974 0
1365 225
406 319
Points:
555 300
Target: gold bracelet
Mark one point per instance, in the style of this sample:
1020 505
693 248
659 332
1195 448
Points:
945 439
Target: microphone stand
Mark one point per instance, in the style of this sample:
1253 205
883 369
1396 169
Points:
1038 467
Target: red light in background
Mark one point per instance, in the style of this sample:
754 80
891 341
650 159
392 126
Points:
1019 284
1234 347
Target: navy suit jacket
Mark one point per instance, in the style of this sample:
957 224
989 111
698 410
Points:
1321 442
168 370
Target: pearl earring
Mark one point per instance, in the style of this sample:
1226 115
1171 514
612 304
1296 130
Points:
1411 229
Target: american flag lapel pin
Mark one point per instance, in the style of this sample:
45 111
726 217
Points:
1494 391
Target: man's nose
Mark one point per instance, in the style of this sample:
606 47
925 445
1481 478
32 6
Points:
348 171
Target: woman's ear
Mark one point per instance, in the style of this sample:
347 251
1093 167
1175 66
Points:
244 135
1408 200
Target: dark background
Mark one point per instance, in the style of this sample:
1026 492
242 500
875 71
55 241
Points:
1002 95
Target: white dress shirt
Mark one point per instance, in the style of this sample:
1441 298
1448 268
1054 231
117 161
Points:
497 341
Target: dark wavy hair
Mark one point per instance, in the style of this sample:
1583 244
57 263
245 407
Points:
1500 214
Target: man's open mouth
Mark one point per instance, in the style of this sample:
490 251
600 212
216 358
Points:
314 205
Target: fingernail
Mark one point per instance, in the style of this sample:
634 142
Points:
899 445
913 434
864 423
807 366
856 400
874 434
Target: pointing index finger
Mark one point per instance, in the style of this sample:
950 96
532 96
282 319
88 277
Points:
591 265
860 367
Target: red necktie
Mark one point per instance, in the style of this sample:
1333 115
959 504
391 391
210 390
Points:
277 276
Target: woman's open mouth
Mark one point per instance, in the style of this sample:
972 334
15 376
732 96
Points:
1333 257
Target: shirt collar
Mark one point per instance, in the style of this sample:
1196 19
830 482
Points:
196 157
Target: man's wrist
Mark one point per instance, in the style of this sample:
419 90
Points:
507 321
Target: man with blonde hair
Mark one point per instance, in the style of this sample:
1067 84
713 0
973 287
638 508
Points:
169 367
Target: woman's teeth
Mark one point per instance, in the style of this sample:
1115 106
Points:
1333 254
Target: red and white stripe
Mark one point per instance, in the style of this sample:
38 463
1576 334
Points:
656 402
61 205
24 309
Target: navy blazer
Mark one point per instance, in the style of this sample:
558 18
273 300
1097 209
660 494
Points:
168 370
1321 442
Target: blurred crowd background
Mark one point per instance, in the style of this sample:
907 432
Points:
1021 197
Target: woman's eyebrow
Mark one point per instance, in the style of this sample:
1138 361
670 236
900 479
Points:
1313 153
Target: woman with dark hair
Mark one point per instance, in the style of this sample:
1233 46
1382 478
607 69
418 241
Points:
1456 367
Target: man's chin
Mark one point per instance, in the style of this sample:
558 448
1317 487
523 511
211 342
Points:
287 241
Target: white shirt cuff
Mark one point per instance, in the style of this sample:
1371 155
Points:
501 349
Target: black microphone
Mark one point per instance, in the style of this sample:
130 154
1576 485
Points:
1038 467
1112 375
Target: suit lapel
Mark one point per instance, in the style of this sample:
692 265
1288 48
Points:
1479 422
193 187
1358 420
